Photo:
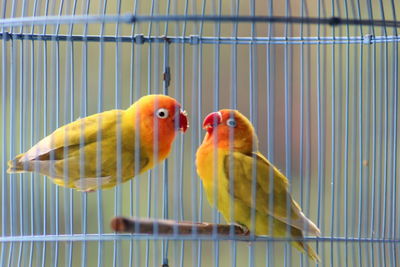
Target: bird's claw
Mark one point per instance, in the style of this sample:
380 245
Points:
245 230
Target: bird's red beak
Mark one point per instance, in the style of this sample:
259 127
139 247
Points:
183 121
212 120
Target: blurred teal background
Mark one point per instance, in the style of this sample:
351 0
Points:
319 79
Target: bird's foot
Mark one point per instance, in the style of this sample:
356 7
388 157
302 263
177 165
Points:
245 230
89 191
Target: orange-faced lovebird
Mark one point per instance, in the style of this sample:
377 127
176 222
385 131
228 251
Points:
97 151
227 161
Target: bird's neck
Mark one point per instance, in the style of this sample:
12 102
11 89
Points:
156 143
244 146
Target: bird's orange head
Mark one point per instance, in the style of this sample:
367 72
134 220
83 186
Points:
163 111
229 128
162 116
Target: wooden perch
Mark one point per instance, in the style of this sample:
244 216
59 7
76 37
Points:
167 227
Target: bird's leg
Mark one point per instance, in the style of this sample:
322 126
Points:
89 190
244 228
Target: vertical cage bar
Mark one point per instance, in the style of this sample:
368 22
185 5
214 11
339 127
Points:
83 113
176 184
58 115
346 141
233 105
32 140
394 135
154 53
199 129
165 210
133 185
4 148
353 149
12 108
364 162
383 195
37 136
381 96
36 97
151 173
216 216
253 95
117 92
374 150
362 180
12 147
288 127
156 173
360 140
45 112
135 95
54 193
319 129
301 120
166 83
55 188
195 121
100 105
372 102
339 87
71 74
177 173
270 124
22 100
45 130
181 143
385 147
333 140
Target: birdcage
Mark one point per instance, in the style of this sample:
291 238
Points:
317 79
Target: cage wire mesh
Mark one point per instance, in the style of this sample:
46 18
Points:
318 80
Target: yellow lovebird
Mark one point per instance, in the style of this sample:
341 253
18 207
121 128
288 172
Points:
227 161
90 153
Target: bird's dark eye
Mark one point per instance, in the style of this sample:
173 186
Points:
231 122
162 113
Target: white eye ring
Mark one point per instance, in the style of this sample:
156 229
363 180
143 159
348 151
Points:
162 113
231 122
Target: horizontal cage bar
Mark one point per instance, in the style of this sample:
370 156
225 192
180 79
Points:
128 18
195 39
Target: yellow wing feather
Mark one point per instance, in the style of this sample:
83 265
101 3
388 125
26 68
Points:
234 171
72 152
272 195
83 130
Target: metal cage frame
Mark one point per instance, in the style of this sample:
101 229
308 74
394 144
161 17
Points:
360 133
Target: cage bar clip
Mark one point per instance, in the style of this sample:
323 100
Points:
194 39
334 21
6 36
139 38
165 263
166 39
367 39
167 76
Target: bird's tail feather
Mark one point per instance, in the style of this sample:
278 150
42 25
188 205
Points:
16 166
305 248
